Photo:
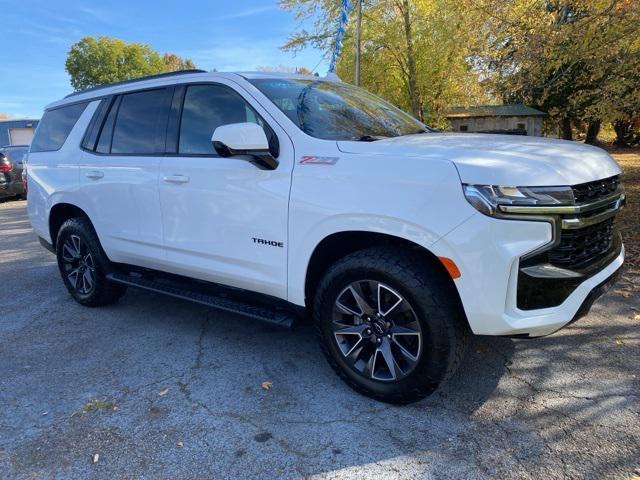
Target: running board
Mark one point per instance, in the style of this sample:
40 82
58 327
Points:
266 309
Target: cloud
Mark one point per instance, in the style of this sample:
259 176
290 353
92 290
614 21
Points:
248 13
241 54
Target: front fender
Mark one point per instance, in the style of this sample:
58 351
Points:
303 250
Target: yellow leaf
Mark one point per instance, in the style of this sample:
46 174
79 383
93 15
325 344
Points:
624 293
618 341
266 385
162 393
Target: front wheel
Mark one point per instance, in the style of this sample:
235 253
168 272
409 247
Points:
83 265
388 325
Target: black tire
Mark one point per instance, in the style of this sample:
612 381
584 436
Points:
98 291
431 301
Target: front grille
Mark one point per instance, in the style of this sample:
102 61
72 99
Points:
590 191
582 247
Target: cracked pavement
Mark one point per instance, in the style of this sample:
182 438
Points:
186 384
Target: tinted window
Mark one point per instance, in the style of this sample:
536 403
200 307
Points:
337 111
55 126
16 155
104 142
206 107
141 122
93 130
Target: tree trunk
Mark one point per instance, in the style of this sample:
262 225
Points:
592 132
565 129
621 127
404 7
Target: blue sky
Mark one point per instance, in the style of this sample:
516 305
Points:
226 35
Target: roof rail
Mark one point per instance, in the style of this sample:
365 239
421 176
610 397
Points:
138 79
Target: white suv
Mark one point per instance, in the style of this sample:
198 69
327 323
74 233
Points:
266 194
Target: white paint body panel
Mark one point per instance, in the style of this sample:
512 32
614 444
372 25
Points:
408 187
501 159
241 136
211 220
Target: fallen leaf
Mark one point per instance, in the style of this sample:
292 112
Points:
636 316
95 458
162 393
618 341
266 385
180 444
624 293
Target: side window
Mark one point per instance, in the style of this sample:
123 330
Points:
55 126
205 108
106 134
140 122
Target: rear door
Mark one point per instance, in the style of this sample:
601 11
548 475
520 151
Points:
225 219
119 174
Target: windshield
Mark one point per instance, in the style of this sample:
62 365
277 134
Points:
337 111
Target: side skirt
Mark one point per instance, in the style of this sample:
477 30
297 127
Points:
250 304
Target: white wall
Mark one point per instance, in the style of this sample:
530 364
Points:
533 125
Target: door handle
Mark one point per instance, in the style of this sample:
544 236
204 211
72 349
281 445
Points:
94 175
176 179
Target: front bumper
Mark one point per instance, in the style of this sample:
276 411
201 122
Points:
488 253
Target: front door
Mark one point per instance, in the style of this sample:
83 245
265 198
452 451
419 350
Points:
224 219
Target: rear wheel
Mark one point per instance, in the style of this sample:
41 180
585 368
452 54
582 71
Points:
83 265
388 326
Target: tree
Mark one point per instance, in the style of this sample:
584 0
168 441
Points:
96 61
174 63
577 60
414 53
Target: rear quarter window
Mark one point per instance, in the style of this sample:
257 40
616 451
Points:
55 126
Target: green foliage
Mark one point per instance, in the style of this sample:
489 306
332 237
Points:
414 54
578 60
174 63
96 61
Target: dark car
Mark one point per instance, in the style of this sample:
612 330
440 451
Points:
12 159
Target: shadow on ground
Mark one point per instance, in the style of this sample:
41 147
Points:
181 395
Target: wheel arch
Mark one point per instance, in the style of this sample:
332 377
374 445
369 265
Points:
338 245
60 213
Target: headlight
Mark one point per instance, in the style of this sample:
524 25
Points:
487 198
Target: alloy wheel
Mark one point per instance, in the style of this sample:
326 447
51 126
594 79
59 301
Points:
78 264
377 331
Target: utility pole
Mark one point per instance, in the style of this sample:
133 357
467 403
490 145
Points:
358 39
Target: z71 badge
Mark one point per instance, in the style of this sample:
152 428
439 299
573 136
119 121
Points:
314 160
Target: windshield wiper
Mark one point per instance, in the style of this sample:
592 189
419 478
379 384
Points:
369 138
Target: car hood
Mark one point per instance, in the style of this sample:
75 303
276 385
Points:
500 159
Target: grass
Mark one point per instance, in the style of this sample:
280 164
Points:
96 405
629 219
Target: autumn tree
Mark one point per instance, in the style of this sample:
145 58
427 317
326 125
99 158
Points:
414 53
577 60
96 61
174 63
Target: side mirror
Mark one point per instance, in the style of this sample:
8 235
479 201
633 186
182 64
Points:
244 139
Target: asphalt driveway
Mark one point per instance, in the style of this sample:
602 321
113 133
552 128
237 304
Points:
153 387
